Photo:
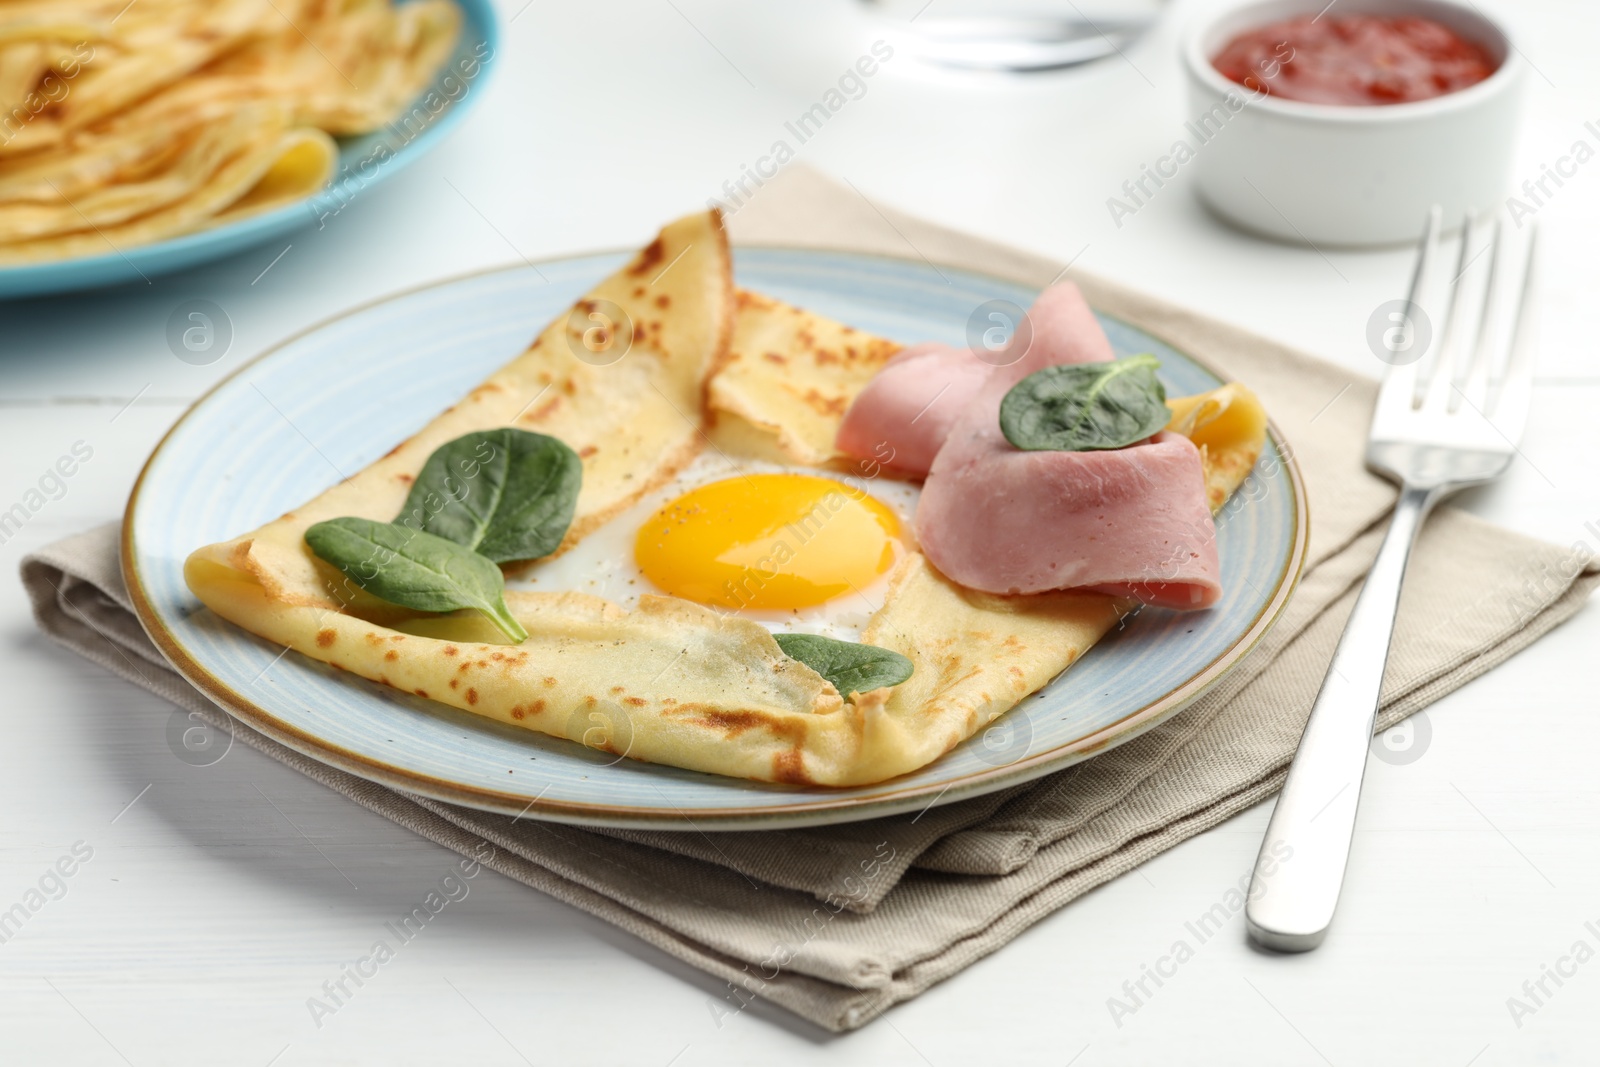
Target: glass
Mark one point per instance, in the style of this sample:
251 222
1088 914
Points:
1017 35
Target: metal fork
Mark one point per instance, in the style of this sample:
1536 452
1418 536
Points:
1447 439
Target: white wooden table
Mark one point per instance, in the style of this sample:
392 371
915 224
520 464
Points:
206 917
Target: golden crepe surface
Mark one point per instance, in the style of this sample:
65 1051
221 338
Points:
123 124
670 681
788 379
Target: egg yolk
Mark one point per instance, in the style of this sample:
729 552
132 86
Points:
768 541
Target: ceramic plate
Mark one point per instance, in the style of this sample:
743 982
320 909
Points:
263 442
363 162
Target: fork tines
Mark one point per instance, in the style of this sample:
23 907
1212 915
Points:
1479 340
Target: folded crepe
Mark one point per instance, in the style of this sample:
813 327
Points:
670 681
58 206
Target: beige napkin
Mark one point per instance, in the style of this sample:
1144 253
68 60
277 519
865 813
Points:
837 924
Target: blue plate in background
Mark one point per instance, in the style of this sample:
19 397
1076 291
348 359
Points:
366 380
363 162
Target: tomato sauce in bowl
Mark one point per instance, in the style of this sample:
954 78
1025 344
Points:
1358 60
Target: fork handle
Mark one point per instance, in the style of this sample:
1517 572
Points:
1294 887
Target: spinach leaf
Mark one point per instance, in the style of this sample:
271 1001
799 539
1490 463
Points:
851 667
414 569
1086 407
507 493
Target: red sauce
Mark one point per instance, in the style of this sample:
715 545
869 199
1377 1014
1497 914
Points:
1356 60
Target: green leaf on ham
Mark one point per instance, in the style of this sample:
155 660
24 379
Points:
1086 407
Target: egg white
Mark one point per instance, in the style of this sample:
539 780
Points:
602 564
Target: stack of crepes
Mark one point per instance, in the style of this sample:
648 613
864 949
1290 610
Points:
125 123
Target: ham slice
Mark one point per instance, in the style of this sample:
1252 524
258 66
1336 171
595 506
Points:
902 417
1132 521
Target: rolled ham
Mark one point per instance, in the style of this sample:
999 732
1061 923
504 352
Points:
903 416
1131 521
901 419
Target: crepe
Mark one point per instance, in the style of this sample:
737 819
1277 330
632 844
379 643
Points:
634 422
669 682
252 162
788 379
1230 426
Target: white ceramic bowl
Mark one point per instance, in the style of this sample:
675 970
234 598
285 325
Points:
1335 175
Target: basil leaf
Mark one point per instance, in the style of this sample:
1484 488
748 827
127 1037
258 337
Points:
414 569
851 667
1086 407
507 493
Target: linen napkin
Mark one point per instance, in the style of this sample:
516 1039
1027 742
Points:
838 923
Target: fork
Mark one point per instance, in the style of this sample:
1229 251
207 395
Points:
1432 443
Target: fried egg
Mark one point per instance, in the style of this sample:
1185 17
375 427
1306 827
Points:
795 549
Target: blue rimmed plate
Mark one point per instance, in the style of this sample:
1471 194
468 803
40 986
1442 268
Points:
264 441
363 162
